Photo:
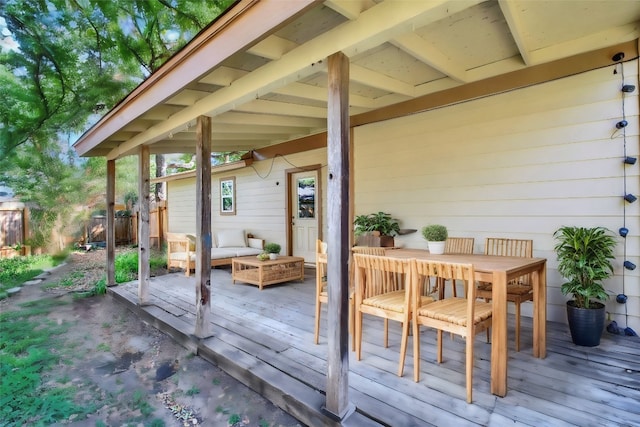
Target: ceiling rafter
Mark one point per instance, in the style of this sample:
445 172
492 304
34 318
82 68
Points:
233 117
418 47
585 44
510 9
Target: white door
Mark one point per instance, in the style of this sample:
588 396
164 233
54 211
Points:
304 221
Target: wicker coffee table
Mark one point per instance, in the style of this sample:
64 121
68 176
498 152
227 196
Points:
250 269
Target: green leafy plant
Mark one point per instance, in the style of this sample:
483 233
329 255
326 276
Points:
380 221
272 248
584 259
435 233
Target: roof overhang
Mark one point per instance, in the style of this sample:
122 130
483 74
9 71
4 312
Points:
260 69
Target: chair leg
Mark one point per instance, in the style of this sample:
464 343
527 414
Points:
358 317
403 346
386 333
416 351
469 368
317 329
517 326
439 357
352 321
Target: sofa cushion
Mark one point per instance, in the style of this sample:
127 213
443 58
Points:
247 251
231 239
255 243
182 256
219 253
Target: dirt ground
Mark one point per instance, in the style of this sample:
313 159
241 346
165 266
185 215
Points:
122 362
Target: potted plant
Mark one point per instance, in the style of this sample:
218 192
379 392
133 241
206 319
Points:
273 249
435 235
375 229
584 259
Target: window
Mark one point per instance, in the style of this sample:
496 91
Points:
228 196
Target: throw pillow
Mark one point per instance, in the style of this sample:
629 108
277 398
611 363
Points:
231 239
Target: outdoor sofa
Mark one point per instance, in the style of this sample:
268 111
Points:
226 244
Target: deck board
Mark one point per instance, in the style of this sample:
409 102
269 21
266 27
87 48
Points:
265 339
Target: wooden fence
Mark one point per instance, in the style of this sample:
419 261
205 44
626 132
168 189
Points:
126 228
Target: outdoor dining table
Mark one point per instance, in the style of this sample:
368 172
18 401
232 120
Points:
499 270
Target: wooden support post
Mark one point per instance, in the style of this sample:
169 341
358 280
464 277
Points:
143 225
111 220
203 226
338 134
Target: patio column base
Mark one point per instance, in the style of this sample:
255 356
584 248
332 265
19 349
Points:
350 409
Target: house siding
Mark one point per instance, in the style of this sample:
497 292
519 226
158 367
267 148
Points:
260 197
519 165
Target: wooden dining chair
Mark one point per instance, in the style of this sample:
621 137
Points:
455 245
383 289
519 290
322 295
466 316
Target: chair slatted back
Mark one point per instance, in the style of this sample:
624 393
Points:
377 275
446 271
369 250
510 247
459 245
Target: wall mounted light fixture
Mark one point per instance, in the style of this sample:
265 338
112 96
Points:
630 198
628 88
629 265
621 124
623 231
630 160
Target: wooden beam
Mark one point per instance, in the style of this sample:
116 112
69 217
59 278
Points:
203 227
143 225
337 403
111 219
299 145
515 80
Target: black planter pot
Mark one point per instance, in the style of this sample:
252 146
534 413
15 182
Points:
586 324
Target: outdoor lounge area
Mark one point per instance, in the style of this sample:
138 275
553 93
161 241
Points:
266 340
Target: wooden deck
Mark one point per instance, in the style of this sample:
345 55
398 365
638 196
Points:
265 339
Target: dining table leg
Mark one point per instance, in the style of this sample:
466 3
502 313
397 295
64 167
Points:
499 335
540 312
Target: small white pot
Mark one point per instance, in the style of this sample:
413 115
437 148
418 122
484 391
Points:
436 248
273 256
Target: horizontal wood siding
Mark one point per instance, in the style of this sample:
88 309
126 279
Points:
260 197
519 164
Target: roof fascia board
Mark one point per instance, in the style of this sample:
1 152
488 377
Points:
244 24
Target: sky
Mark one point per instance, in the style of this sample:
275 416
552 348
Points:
6 42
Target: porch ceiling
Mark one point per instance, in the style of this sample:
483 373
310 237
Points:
263 80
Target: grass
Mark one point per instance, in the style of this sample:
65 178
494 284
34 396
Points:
27 353
15 271
126 265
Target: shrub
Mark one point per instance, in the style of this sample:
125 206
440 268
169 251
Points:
435 233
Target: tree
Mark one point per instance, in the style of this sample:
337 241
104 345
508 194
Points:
71 61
